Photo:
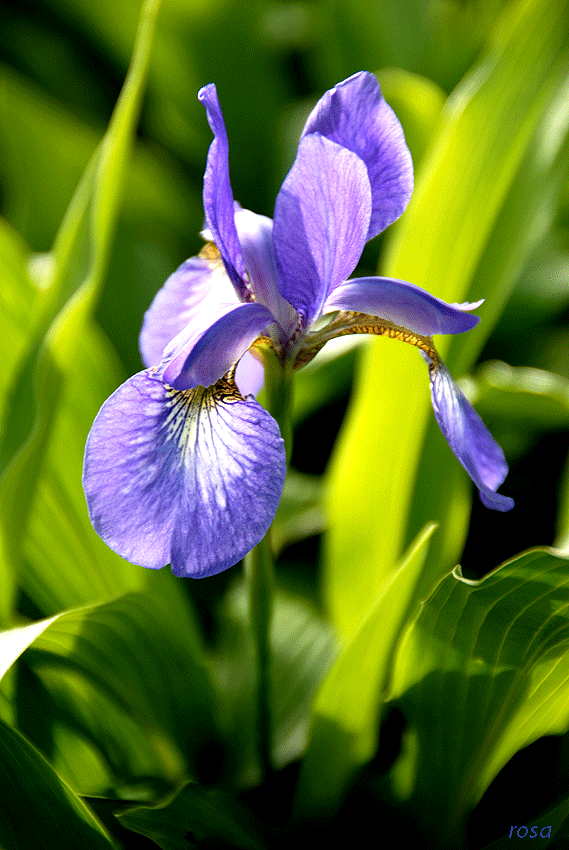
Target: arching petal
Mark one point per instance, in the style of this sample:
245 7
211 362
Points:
188 478
218 201
403 304
321 221
469 438
256 238
355 115
201 355
193 291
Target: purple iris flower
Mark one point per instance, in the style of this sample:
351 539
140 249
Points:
182 464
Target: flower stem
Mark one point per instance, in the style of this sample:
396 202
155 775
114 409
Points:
261 584
259 566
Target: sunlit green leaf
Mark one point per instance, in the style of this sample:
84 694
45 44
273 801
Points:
482 672
37 809
346 710
485 193
15 641
67 564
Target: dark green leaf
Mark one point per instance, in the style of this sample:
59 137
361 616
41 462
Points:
38 811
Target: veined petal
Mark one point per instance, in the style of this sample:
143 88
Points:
218 201
403 304
321 221
355 115
190 478
256 238
469 438
201 357
191 293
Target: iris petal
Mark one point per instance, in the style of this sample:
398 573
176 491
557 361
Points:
218 201
200 355
190 294
189 478
256 238
469 438
403 304
355 115
321 220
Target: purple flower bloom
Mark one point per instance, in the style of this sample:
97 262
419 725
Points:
182 465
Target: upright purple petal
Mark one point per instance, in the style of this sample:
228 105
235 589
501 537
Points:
256 238
321 221
355 115
403 304
189 478
192 292
200 356
249 374
218 201
469 438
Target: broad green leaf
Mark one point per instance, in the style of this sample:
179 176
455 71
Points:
72 283
482 672
491 174
196 818
345 714
302 649
37 809
130 677
15 641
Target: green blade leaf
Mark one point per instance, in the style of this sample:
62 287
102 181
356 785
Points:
38 810
67 564
345 714
482 672
491 175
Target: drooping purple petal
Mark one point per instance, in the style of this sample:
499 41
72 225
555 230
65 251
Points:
403 304
188 478
321 221
355 115
190 294
218 196
469 438
201 357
